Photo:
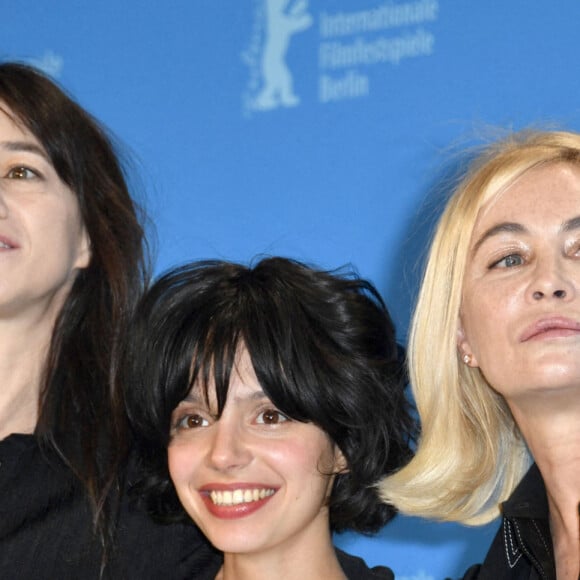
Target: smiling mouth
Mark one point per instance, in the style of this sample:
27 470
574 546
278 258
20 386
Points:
4 245
239 496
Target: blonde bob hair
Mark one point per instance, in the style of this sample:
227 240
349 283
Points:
470 455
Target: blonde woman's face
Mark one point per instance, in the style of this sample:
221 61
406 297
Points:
520 314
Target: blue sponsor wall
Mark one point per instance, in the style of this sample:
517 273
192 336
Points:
314 129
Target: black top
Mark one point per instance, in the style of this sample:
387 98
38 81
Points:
46 528
522 548
356 568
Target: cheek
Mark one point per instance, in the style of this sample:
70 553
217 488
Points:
485 319
309 460
295 458
479 309
182 463
61 226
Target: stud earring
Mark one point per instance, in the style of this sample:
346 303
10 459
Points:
467 359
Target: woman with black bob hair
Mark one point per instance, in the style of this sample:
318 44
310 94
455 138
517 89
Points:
273 396
72 266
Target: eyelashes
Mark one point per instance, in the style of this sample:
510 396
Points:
23 173
509 261
516 258
193 420
271 417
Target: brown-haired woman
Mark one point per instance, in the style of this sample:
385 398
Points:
72 266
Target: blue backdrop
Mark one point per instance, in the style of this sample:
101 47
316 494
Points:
317 130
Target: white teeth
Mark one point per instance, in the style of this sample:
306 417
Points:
239 496
4 245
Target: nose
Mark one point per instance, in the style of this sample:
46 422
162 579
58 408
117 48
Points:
538 294
3 206
552 281
229 449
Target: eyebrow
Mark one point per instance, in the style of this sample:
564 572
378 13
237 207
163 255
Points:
504 227
26 146
571 224
514 227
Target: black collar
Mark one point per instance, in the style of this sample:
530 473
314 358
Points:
529 499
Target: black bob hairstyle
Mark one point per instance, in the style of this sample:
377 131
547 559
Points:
322 346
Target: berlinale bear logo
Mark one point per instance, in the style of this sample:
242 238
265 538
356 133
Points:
271 83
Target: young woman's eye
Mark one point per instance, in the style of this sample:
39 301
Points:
193 421
22 172
510 261
271 417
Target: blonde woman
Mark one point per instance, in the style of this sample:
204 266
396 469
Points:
494 359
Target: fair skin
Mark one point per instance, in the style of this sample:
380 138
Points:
256 482
42 245
520 324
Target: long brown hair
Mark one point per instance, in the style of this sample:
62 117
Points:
81 414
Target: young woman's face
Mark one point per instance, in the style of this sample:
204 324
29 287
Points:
42 238
252 479
520 317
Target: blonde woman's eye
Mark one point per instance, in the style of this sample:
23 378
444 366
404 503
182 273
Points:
193 421
510 261
271 417
575 248
22 173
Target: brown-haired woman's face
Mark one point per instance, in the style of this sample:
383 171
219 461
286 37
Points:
520 315
42 238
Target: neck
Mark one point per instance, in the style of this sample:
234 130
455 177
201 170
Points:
294 561
23 350
550 424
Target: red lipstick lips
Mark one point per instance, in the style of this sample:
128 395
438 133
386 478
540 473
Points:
235 500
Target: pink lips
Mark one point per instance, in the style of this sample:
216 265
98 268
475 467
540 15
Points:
6 243
553 327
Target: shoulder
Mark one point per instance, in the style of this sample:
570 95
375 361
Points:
356 568
522 546
32 482
44 510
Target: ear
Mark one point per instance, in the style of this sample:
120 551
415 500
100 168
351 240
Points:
84 250
340 462
464 347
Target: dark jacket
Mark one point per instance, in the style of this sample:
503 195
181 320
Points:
356 569
46 528
522 548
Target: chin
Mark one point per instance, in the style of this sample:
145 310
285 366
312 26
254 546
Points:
559 373
237 543
551 387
